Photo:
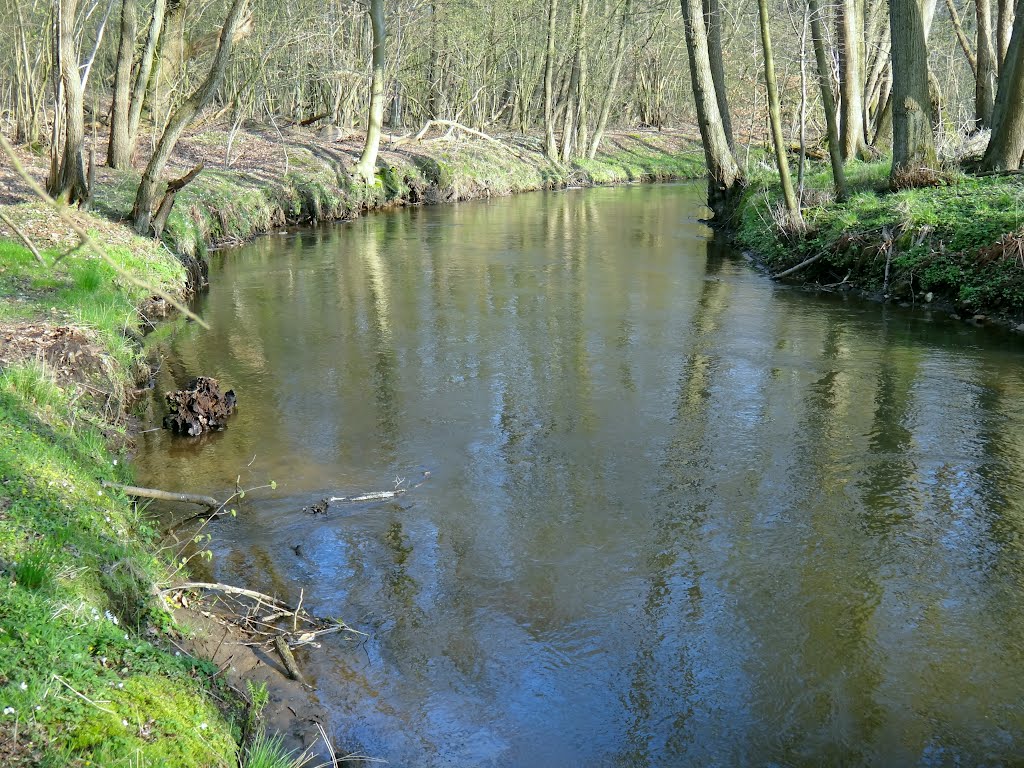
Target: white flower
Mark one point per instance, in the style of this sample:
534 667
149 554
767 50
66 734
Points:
120 685
107 518
9 710
110 617
202 726
115 462
99 493
124 723
23 686
38 708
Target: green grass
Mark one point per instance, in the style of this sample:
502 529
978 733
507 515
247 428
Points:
83 679
940 236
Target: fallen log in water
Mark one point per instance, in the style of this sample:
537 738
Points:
399 490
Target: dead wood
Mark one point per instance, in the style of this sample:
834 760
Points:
798 267
155 493
200 407
288 659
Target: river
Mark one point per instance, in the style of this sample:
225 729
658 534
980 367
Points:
676 514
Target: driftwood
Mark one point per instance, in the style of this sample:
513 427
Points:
288 659
200 407
259 615
399 490
798 267
167 202
155 493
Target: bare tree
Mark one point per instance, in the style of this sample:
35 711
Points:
368 160
67 175
142 211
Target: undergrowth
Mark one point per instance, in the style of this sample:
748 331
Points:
87 674
960 242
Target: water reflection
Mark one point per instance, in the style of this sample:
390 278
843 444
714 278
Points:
678 516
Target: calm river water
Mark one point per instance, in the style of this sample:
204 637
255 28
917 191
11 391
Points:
677 515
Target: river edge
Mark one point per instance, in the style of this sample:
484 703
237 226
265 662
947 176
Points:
93 670
955 249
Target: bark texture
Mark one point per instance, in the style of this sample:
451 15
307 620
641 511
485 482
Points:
1006 147
725 180
119 147
913 146
367 164
69 176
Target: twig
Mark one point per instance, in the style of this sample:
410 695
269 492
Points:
82 696
23 237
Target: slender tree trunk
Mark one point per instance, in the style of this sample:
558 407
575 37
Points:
606 101
725 179
913 142
713 20
171 60
828 100
550 147
145 68
851 78
985 71
961 36
775 115
1006 147
1004 25
119 146
69 178
142 211
367 164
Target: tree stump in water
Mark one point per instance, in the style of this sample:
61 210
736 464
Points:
200 407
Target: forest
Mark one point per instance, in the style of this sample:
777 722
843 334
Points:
854 149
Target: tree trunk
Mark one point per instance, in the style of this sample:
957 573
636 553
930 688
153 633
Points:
713 20
170 61
913 145
609 95
725 179
142 210
985 74
142 75
119 146
1006 147
367 164
550 148
827 99
774 114
69 176
1004 23
851 78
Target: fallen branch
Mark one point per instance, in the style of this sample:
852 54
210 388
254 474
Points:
289 660
227 589
798 267
155 493
379 495
23 237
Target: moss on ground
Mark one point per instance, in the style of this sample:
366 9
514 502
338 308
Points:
962 242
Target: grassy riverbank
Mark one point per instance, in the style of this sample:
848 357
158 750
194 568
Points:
960 244
89 670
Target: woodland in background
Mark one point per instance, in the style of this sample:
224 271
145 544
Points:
118 81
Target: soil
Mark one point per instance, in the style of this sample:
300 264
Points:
293 710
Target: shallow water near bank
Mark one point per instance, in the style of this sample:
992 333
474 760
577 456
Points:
677 515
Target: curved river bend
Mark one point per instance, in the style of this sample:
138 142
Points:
677 515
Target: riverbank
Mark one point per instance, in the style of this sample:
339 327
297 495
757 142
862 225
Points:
958 246
91 672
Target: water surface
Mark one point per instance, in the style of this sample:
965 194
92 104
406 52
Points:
677 515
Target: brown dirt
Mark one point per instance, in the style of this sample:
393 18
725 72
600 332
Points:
293 710
71 353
